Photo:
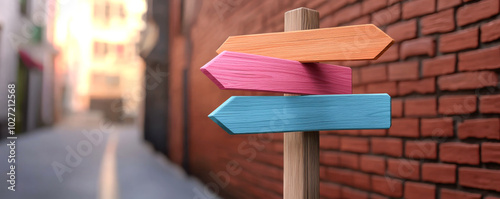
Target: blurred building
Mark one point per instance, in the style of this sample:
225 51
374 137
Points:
26 59
99 64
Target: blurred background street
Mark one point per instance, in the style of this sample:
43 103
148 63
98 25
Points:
117 165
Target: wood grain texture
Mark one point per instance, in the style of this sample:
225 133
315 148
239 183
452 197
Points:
301 149
359 42
271 114
241 71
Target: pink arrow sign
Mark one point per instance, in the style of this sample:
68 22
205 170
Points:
241 71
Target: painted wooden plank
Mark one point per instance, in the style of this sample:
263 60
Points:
359 42
241 71
268 114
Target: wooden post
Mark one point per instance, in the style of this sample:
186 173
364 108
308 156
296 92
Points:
301 149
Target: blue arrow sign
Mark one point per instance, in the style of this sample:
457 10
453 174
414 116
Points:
272 114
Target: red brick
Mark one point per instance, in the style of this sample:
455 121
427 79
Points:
322 172
403 70
471 13
368 6
459 153
403 168
354 144
372 164
397 107
330 7
439 66
404 127
359 21
329 190
468 80
490 31
423 86
355 63
329 142
402 31
490 152
421 149
420 107
460 40
479 178
440 22
387 16
420 46
349 160
444 4
387 146
345 132
314 3
436 127
349 193
415 190
487 58
457 104
360 180
356 76
439 173
271 158
417 8
377 196
330 158
373 132
341 176
276 147
371 74
346 14
358 89
453 194
391 54
488 128
390 2
489 103
387 186
491 197
384 87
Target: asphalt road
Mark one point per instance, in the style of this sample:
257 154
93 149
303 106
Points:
85 157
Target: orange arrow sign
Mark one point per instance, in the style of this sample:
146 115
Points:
360 42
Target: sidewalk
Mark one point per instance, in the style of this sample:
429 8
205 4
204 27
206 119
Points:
84 157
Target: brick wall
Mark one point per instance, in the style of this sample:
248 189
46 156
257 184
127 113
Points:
442 74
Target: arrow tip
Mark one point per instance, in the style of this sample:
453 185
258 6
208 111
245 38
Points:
214 116
386 39
205 70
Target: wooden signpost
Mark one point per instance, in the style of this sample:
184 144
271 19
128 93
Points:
232 70
280 62
319 45
274 114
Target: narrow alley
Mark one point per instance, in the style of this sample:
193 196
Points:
85 157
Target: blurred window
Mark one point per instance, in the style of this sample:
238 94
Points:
106 48
107 12
96 48
101 48
97 9
122 11
106 80
24 7
120 50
